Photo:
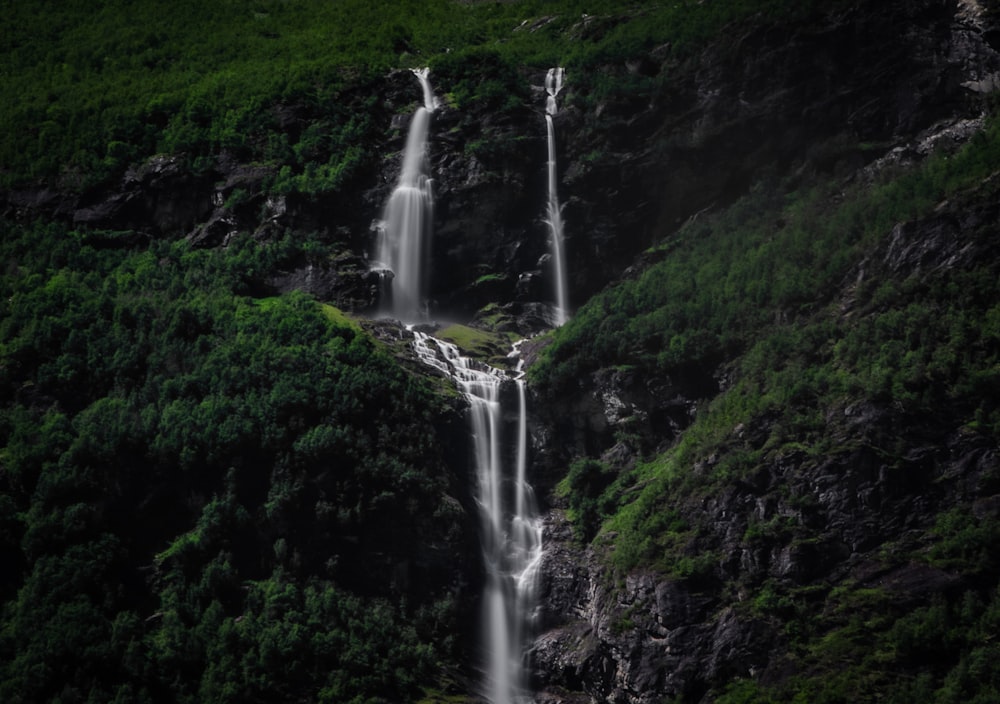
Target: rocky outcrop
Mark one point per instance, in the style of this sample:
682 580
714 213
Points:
801 100
818 524
345 282
826 94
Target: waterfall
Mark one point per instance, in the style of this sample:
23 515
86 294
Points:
526 541
553 84
404 233
510 524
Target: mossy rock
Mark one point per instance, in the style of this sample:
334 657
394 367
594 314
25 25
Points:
489 347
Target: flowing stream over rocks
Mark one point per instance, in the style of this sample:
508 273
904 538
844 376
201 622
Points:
511 528
510 524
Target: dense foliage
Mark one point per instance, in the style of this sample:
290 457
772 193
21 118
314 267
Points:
92 88
211 496
206 497
804 293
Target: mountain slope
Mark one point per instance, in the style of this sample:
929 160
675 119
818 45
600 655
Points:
208 496
778 443
767 439
836 486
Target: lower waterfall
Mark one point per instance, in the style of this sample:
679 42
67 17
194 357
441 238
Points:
510 525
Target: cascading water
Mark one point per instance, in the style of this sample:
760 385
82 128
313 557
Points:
553 84
404 233
511 527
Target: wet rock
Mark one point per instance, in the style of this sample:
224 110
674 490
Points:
216 231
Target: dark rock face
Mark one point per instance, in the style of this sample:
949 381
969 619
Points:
784 98
161 196
653 637
346 282
486 212
797 100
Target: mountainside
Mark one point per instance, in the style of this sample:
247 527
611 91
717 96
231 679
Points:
765 442
781 427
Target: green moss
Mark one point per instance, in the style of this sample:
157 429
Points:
489 278
489 347
339 318
966 542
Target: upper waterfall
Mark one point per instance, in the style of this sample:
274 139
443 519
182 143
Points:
422 75
553 84
405 229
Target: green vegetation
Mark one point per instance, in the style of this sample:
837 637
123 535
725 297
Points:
725 280
206 497
804 294
92 88
587 489
758 282
861 645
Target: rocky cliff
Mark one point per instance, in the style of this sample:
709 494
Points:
788 568
791 568
788 547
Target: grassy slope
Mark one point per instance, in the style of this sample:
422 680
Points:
760 284
761 287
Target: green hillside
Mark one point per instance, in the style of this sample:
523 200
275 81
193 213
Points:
196 486
218 485
91 88
789 291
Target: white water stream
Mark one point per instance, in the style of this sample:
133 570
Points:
403 245
511 527
553 84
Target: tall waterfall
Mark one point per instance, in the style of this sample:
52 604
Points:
403 245
511 527
553 84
